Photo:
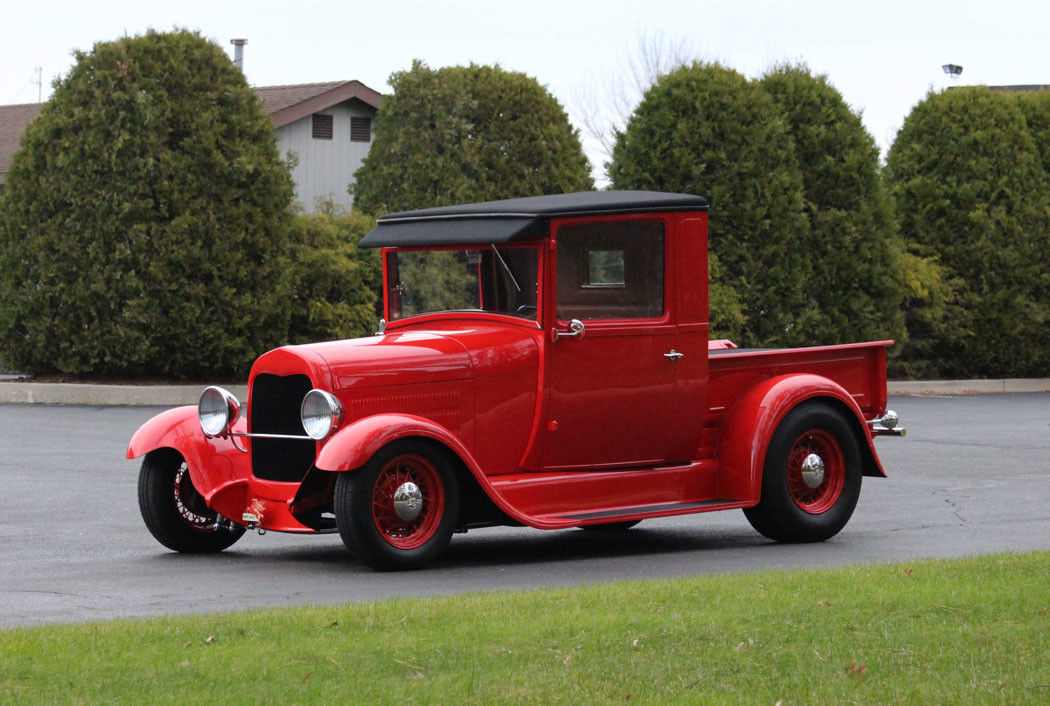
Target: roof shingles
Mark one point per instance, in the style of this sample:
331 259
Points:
13 122
277 98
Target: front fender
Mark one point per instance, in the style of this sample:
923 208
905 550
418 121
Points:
216 467
749 426
172 428
352 446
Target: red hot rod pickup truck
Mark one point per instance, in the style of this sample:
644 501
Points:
544 361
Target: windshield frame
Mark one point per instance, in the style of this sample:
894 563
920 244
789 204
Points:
394 318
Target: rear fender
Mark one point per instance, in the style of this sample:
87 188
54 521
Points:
749 426
351 447
216 467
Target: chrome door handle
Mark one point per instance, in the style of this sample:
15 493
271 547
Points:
576 329
674 355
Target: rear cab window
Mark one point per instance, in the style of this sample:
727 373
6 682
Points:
610 270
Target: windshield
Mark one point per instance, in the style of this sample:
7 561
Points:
491 278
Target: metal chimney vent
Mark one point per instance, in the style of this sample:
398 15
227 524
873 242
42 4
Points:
238 52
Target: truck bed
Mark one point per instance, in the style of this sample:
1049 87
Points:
860 368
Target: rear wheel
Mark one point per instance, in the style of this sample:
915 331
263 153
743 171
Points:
811 478
175 513
398 510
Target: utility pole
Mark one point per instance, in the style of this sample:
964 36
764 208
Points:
39 72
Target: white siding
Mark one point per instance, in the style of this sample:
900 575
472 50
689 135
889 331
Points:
326 167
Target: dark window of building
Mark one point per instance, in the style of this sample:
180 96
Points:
360 129
322 125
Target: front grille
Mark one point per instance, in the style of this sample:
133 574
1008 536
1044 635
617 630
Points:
274 409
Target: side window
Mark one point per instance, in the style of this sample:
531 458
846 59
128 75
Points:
611 270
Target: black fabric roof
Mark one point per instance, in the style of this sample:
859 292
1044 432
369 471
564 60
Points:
514 219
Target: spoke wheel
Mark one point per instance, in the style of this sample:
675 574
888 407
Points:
175 512
811 477
399 509
190 505
424 515
816 471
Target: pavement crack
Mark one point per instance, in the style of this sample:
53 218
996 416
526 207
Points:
957 444
64 594
956 510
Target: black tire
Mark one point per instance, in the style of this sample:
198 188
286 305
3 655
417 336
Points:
611 526
367 518
813 506
175 513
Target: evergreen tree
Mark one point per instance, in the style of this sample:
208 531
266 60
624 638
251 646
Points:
1035 106
970 187
467 133
705 129
337 288
852 241
142 230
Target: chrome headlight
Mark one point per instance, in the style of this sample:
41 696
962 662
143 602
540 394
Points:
217 410
321 413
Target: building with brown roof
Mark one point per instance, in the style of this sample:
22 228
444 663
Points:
327 127
13 122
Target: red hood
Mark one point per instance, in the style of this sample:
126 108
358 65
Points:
443 351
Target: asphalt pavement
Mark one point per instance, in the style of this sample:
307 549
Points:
971 477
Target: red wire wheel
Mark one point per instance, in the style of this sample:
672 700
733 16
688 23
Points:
399 471
398 510
816 471
811 475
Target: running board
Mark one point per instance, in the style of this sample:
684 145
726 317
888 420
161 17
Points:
651 510
556 500
637 512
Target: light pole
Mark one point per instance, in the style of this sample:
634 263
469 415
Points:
953 70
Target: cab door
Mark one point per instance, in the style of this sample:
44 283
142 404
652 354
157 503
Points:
611 351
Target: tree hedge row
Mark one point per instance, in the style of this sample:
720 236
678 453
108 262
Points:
800 223
969 175
944 250
146 227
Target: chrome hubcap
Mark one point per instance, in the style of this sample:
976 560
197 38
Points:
813 471
408 501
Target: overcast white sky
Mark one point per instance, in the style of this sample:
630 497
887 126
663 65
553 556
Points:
883 56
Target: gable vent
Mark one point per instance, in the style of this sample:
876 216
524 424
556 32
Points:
360 129
322 126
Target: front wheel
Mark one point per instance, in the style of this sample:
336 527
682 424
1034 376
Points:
399 509
175 513
811 478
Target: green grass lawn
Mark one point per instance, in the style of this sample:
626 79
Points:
939 632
